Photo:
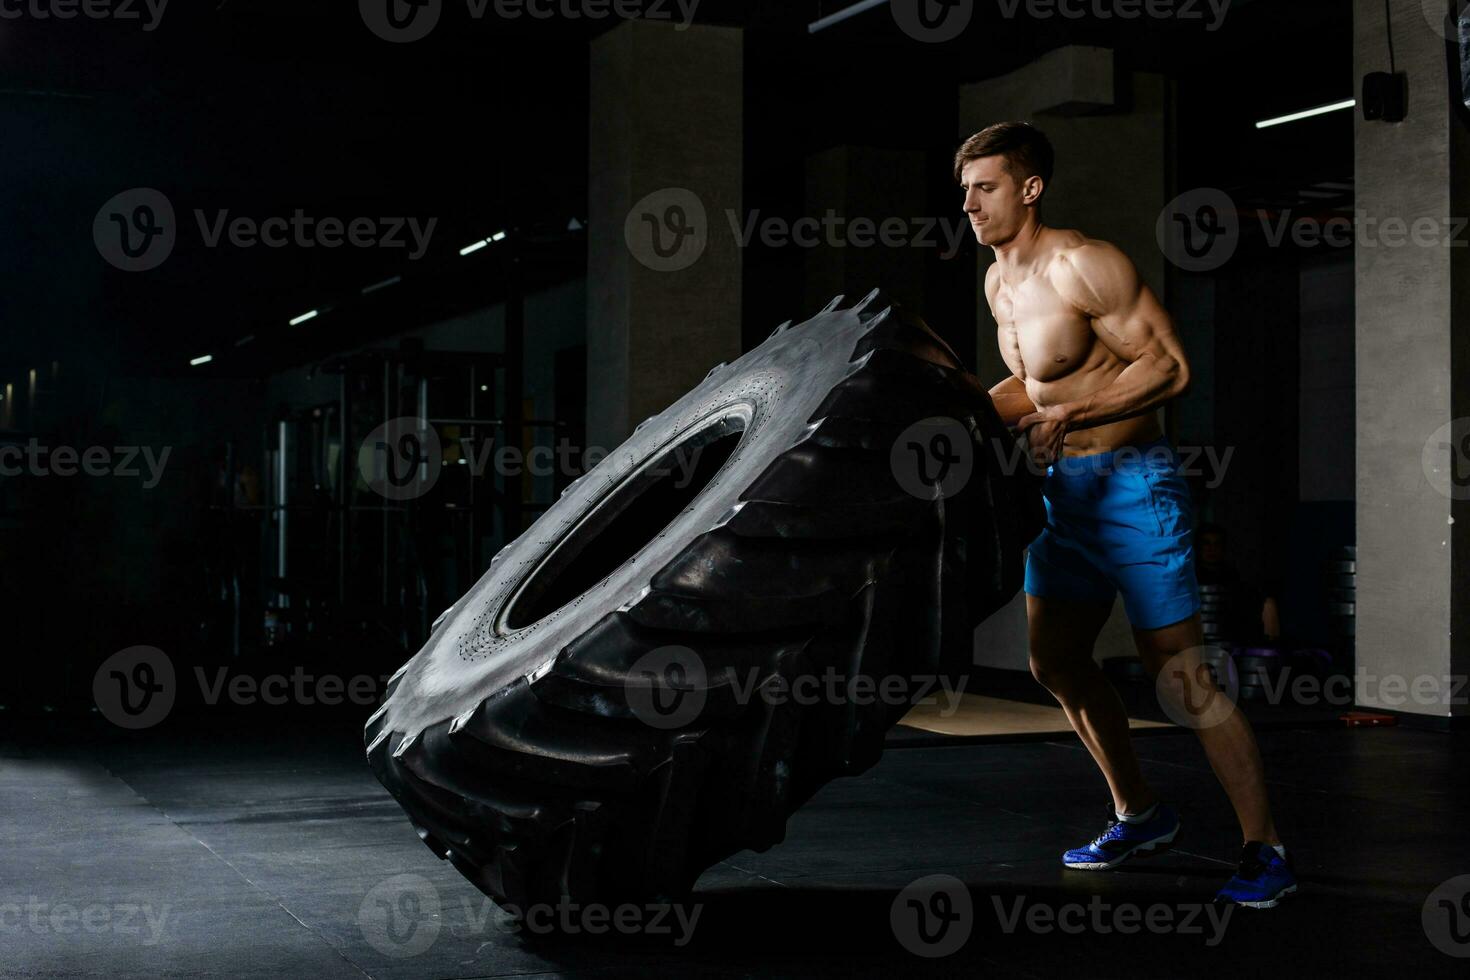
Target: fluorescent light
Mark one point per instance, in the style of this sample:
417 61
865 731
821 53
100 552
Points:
499 236
304 317
382 285
205 359
858 8
1307 113
245 340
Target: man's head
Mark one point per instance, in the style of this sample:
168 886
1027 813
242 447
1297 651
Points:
1003 170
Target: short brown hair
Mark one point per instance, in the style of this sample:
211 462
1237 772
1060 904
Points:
1027 151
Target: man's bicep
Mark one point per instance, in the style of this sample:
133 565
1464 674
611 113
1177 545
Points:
1126 315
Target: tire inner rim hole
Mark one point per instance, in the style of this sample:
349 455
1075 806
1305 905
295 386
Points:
628 518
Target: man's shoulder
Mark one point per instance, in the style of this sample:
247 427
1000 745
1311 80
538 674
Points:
1086 270
1073 249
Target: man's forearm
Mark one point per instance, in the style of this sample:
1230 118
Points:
1011 401
1141 387
1012 407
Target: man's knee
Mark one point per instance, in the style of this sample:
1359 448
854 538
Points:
1061 675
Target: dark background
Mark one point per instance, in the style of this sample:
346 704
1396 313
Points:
262 108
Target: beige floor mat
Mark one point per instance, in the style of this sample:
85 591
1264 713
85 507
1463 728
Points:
979 715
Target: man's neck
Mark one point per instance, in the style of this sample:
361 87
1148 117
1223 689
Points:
1020 257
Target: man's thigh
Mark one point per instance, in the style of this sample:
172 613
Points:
1063 632
1157 646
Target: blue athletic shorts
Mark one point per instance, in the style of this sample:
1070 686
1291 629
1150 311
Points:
1118 521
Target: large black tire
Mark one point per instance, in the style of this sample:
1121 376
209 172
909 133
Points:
530 742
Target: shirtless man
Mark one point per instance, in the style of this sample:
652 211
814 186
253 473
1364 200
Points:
1093 354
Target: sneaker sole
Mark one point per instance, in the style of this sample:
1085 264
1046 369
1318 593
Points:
1269 903
1143 848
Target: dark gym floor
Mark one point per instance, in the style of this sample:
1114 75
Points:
242 849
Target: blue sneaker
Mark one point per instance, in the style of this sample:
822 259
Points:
1264 876
1123 840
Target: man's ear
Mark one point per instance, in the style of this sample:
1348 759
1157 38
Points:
1031 190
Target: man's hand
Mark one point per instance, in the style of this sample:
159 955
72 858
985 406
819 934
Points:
1045 430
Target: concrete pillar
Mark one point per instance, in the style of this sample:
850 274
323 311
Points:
1110 130
878 185
1413 367
664 171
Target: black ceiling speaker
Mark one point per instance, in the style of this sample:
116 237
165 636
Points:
1456 31
1385 96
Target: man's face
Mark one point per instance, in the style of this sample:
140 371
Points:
994 200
